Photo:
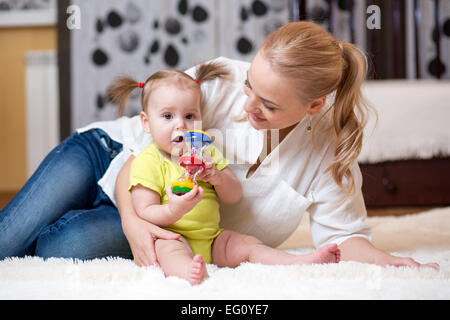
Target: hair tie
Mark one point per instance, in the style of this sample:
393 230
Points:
141 84
196 80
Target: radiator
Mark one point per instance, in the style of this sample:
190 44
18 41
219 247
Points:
42 106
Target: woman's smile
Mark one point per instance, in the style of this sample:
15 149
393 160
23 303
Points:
256 118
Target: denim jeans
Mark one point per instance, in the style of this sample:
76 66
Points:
61 211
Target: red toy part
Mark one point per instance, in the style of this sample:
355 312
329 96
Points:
191 163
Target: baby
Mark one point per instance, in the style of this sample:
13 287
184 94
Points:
171 102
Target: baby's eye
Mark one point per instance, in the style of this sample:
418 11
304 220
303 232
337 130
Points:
247 84
190 116
167 116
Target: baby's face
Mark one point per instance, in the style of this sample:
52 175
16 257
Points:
170 112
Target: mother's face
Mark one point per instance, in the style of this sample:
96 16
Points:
273 102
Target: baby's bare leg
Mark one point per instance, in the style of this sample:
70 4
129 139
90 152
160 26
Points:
176 259
231 249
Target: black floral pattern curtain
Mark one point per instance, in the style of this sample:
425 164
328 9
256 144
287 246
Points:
413 40
140 37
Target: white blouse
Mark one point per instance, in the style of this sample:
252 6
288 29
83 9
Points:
290 181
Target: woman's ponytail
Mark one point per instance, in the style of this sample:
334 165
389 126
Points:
349 111
320 66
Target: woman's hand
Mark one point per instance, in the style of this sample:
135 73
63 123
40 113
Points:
141 236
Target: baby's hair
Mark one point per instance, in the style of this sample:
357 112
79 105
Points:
122 86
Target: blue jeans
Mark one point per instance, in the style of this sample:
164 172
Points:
61 211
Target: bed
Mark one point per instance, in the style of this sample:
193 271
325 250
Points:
405 160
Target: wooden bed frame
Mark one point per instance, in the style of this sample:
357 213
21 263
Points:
407 183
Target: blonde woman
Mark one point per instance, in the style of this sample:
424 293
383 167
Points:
292 123
284 94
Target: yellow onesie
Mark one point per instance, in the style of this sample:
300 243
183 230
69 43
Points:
200 226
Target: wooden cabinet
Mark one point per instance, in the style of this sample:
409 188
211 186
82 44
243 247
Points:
407 183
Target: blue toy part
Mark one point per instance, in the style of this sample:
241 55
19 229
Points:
197 138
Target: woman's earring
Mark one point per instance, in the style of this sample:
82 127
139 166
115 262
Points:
308 128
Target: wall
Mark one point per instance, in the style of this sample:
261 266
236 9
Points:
15 42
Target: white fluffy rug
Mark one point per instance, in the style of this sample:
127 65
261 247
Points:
424 236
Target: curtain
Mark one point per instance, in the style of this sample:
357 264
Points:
413 40
432 64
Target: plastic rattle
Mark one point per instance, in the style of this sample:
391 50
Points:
191 161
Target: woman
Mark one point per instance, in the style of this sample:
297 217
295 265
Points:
306 161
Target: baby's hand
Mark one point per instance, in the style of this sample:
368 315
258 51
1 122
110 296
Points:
210 174
180 205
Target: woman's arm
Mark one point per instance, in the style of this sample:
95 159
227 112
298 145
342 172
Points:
140 234
361 250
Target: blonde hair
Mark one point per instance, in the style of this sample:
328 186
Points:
122 86
320 65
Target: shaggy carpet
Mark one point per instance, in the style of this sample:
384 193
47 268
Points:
424 236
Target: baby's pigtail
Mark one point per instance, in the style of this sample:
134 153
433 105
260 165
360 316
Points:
120 90
210 71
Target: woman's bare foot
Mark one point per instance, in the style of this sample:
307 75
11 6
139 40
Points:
329 253
197 272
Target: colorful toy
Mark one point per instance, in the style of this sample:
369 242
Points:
191 161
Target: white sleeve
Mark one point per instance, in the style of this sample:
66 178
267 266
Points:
333 220
223 99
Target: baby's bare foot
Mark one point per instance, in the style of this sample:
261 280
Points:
197 272
329 253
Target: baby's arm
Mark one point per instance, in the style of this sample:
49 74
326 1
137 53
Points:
227 186
147 204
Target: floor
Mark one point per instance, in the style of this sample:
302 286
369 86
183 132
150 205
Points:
5 197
